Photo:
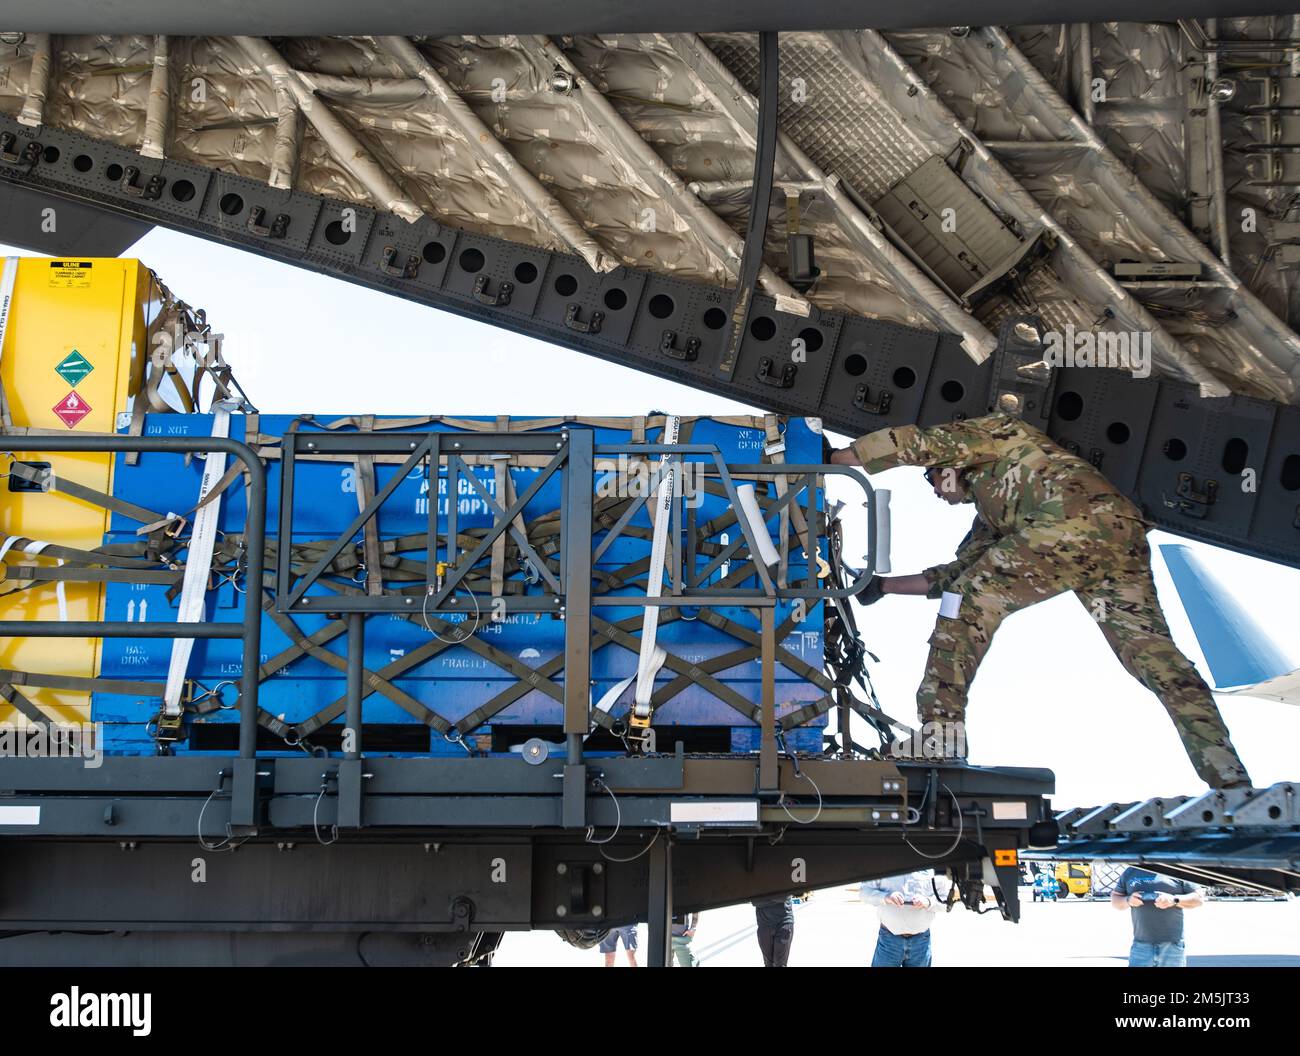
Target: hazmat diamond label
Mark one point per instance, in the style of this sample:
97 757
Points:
73 368
71 409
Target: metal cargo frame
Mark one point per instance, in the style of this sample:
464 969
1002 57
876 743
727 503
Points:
438 857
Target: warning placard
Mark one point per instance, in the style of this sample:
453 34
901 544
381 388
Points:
71 409
70 274
73 368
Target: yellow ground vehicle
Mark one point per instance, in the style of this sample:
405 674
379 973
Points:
1073 878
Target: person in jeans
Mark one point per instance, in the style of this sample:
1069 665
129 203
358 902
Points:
1157 905
609 945
906 904
775 919
683 930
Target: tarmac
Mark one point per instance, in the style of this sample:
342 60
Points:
835 929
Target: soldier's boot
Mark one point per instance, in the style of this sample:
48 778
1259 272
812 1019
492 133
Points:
1163 669
1128 613
941 707
956 648
941 738
1211 750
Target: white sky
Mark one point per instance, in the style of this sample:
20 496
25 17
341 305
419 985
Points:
1050 693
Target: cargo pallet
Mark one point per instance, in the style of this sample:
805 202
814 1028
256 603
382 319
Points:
248 858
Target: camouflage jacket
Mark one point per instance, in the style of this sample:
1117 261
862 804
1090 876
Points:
977 540
1020 480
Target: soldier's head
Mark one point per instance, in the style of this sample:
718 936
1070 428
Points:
948 483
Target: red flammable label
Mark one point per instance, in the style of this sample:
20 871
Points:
71 409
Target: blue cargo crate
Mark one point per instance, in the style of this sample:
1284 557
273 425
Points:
457 681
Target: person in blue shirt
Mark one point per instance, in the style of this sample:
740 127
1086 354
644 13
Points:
1157 904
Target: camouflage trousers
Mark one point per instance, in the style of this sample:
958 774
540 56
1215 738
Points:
1115 585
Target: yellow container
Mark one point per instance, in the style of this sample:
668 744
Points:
72 346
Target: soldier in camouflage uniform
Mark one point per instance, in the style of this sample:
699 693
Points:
1048 522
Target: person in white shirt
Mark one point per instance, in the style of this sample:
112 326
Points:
907 904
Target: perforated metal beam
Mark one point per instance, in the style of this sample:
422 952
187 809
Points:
1223 470
347 18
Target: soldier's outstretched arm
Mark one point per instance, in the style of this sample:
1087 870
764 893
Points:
879 586
916 584
952 444
969 550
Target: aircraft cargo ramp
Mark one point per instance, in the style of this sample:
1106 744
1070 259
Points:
1246 838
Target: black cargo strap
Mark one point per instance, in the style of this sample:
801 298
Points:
23 706
339 663
455 636
78 574
302 645
546 671
785 658
117 555
602 637
49 481
366 487
701 677
81 683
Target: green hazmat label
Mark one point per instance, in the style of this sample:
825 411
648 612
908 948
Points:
73 368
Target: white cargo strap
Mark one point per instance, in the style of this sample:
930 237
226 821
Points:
34 547
749 509
652 657
198 563
7 280
605 704
612 695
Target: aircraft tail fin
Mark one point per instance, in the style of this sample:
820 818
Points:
1238 651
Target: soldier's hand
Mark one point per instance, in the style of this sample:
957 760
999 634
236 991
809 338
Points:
1164 901
1135 901
872 592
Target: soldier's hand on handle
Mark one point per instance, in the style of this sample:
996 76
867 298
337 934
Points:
872 592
